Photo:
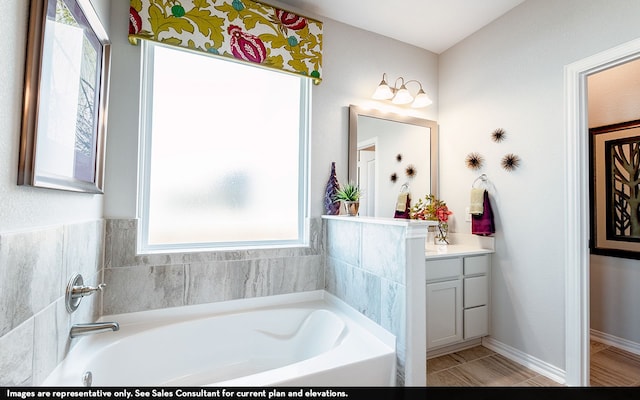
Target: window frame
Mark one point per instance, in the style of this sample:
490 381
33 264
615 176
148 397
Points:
144 168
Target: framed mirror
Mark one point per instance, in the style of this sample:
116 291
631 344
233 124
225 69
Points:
65 97
387 151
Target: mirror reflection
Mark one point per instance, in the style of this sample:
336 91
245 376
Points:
387 151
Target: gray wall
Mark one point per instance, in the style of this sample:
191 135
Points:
510 75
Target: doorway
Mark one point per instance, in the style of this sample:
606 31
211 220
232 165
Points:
577 263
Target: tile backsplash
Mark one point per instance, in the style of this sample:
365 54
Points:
151 281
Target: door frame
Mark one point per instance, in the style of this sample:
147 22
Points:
576 204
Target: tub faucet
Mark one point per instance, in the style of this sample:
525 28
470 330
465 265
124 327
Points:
92 328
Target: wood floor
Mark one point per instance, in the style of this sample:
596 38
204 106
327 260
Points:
479 366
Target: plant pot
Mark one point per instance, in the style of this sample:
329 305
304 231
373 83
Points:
351 207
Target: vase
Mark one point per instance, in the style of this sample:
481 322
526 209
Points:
441 236
351 207
331 206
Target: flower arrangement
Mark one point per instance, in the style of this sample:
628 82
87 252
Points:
433 209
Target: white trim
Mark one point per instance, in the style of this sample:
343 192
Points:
543 368
624 344
576 207
440 351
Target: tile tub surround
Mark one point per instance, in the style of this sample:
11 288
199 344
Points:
35 267
141 282
376 265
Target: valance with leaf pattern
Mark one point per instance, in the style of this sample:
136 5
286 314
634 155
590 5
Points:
245 30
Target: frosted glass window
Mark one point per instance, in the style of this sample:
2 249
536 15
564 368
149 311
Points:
225 161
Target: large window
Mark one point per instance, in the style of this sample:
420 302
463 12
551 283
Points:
225 153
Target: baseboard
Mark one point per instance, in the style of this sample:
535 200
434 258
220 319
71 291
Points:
453 348
624 344
524 359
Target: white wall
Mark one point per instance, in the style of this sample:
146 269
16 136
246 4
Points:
23 207
353 63
510 75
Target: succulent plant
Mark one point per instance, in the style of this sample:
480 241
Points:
348 192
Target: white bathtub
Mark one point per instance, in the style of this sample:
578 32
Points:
302 339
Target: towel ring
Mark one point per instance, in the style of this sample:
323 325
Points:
483 178
404 188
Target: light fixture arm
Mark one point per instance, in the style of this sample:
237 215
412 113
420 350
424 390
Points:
413 80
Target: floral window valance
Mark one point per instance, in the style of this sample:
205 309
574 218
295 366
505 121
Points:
244 30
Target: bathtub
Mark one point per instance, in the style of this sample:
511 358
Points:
301 339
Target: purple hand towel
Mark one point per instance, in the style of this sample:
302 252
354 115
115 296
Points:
483 224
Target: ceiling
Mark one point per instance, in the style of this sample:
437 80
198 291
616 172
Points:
434 25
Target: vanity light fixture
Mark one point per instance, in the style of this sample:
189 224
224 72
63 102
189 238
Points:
400 94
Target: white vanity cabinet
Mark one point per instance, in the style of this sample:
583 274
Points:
457 299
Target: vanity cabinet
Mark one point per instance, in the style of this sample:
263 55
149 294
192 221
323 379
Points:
457 299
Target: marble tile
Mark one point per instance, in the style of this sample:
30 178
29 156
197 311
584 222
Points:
83 248
143 288
316 237
45 344
63 325
120 242
494 370
301 274
336 277
31 276
205 282
392 308
16 355
121 239
358 288
384 251
363 293
343 241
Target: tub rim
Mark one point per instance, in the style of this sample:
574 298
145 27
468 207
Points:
171 315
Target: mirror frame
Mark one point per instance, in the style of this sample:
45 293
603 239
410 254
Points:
355 111
38 71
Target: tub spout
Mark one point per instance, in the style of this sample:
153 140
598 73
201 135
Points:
92 328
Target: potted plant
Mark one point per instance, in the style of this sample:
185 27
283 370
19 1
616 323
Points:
349 195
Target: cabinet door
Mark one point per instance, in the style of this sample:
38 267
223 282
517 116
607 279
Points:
446 268
476 265
476 322
444 313
476 291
